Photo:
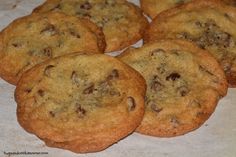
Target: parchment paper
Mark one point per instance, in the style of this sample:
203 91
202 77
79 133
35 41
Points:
216 138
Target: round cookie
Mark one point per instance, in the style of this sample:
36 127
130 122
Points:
33 39
210 24
184 84
153 7
122 22
91 101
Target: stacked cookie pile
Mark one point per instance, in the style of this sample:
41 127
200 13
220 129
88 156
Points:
72 96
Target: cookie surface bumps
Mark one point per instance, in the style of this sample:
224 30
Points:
122 22
210 24
35 38
83 103
184 84
153 7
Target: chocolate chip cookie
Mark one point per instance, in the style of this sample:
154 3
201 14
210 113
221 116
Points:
80 102
184 84
32 39
153 7
122 22
209 24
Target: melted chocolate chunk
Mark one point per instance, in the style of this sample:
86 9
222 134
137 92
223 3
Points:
28 90
48 69
52 114
183 91
114 75
17 45
81 112
41 92
47 52
89 90
173 77
156 83
74 34
155 108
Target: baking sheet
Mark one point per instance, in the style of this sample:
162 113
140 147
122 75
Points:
216 138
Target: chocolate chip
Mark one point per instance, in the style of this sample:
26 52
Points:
52 114
113 75
75 78
173 77
198 23
155 108
16 45
81 112
156 52
213 36
47 52
49 30
86 6
89 90
131 103
156 84
48 69
41 92
183 91
28 90
74 34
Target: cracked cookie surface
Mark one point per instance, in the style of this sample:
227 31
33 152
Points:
35 38
184 84
153 7
209 24
80 102
122 22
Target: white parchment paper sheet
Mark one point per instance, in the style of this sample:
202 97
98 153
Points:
216 138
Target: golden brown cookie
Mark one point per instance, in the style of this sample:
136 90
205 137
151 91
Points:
184 84
80 102
153 7
210 24
122 22
33 39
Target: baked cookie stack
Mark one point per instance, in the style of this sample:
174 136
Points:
74 97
